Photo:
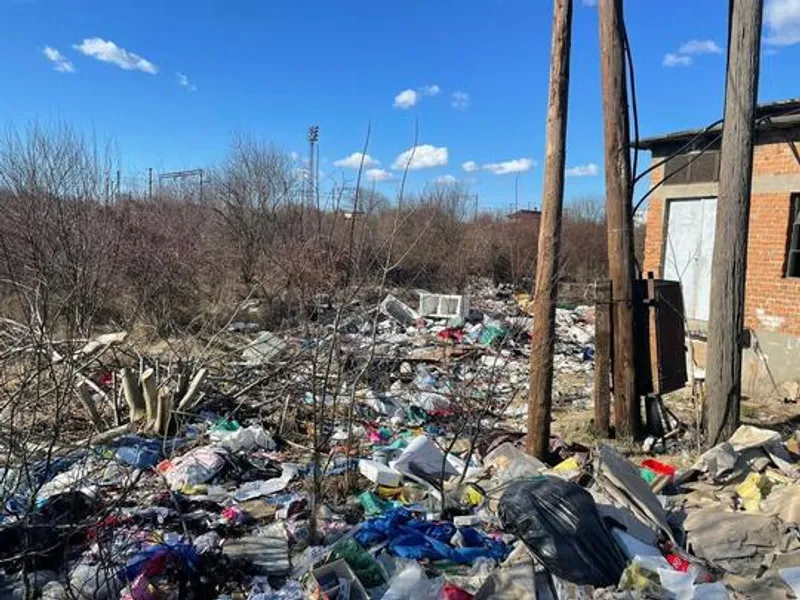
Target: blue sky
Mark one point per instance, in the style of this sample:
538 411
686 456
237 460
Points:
170 82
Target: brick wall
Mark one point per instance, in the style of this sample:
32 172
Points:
771 299
654 235
775 158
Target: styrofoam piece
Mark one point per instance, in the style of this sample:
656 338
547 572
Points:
263 349
466 520
379 473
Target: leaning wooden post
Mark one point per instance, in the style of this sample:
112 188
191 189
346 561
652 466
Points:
133 395
163 411
602 358
729 266
627 411
150 392
545 294
85 396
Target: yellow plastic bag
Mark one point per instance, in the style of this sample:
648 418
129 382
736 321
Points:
752 490
568 465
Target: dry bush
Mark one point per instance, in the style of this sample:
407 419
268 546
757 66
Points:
583 248
57 237
171 269
178 260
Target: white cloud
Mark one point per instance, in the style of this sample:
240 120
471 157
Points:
108 51
676 60
406 99
421 157
354 161
460 100
591 3
470 166
782 18
683 57
587 170
700 47
378 175
518 165
60 62
294 155
446 180
430 90
184 82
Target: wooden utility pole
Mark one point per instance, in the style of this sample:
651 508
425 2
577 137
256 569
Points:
726 317
627 413
546 285
602 357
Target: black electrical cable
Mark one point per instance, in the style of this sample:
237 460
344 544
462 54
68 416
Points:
675 172
679 151
634 105
764 119
634 108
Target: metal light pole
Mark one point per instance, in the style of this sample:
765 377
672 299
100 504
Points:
313 138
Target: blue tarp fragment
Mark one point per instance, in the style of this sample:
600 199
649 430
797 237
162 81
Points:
414 538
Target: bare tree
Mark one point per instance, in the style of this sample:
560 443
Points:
253 184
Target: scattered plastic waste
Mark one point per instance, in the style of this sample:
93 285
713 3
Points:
420 486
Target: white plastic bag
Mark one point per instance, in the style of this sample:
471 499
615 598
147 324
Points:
195 467
244 438
411 583
509 463
422 458
257 489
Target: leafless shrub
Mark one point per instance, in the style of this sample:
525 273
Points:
583 249
76 257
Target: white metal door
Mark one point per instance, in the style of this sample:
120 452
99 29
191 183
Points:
688 252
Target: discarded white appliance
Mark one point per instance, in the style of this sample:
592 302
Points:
442 305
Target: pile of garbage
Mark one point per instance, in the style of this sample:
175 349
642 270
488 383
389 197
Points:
385 459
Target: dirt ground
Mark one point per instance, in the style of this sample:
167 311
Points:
574 424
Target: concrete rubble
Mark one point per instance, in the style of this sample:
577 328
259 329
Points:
420 487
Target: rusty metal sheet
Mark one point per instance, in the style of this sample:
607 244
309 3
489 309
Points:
660 337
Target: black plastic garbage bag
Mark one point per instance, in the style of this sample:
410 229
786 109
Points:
559 523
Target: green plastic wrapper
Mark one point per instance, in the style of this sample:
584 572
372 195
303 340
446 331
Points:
364 566
373 504
648 475
225 425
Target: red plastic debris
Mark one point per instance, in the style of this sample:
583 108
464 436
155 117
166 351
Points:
109 522
106 379
451 334
452 592
659 468
232 514
678 563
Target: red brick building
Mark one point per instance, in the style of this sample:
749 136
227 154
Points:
680 239
527 215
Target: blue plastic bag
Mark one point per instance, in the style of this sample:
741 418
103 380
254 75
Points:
414 538
138 452
154 558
